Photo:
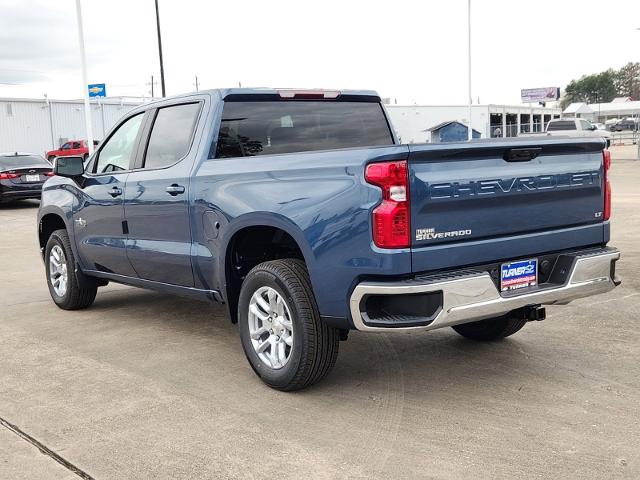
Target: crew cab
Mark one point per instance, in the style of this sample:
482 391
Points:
70 148
302 213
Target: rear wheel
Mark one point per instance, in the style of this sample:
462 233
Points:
491 328
51 158
287 344
70 289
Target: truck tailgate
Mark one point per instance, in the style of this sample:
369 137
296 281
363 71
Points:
504 199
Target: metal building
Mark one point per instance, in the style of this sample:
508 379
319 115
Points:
412 122
39 125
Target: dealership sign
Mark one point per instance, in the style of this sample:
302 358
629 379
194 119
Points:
532 95
97 90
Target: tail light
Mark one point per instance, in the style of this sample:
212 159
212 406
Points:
606 161
309 94
391 219
8 176
49 174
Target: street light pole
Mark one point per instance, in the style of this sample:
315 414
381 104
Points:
160 50
83 61
469 127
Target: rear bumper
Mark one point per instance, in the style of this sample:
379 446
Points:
7 194
471 295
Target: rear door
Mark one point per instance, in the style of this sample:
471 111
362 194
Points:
475 192
156 200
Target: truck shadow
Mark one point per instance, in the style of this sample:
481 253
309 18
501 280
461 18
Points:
380 365
19 205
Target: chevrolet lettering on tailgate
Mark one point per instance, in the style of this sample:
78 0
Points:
507 185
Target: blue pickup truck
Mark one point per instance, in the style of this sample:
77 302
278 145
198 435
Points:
302 213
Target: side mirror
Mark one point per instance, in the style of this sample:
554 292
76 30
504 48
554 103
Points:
70 167
594 127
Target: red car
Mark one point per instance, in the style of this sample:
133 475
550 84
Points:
72 147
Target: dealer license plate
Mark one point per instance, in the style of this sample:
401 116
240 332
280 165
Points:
519 274
32 178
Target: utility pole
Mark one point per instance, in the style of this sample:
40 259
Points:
83 61
160 50
152 83
197 85
469 128
50 107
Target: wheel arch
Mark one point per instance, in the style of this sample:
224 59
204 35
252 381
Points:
49 220
289 242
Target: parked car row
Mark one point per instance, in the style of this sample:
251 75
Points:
23 174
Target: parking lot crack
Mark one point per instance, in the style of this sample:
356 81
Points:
45 450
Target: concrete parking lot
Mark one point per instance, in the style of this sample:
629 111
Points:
143 385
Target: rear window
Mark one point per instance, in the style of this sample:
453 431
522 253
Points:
271 127
21 161
561 125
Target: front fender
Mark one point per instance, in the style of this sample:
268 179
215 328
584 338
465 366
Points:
58 199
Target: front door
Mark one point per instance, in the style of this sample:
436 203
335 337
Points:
98 217
157 199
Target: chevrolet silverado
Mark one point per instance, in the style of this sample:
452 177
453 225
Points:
302 213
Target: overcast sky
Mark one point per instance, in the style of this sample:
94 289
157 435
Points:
412 51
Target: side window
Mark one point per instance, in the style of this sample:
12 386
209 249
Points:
116 152
76 144
66 146
171 134
585 125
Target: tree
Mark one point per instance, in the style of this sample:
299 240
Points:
627 81
596 88
604 86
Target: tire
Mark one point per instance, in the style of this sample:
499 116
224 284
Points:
80 290
490 329
51 158
313 350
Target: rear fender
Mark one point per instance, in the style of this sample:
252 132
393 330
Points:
261 219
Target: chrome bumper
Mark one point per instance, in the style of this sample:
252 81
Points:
472 295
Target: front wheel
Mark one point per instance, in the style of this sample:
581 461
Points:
70 289
287 344
490 329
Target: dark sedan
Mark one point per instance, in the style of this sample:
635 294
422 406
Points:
628 124
22 176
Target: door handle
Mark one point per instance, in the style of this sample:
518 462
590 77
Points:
115 191
174 189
